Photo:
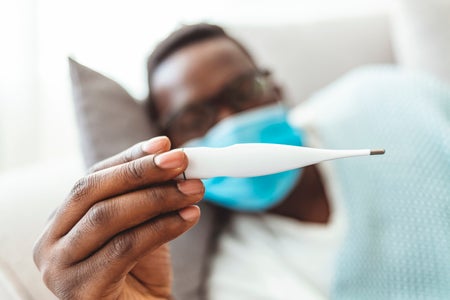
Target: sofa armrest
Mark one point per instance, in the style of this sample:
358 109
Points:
28 196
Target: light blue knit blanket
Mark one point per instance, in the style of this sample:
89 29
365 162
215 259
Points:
397 205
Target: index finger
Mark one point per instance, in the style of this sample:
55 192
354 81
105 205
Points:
152 146
143 172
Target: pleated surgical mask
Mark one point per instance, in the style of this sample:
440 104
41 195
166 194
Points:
266 124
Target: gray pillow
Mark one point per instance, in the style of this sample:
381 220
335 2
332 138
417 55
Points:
109 119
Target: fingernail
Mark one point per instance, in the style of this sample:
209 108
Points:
190 187
170 160
155 144
189 213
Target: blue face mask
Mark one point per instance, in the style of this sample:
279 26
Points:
266 124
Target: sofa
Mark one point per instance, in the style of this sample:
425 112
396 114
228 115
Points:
305 56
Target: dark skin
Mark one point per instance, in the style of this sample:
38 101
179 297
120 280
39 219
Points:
108 239
202 70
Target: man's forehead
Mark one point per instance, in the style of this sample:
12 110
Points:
199 69
206 56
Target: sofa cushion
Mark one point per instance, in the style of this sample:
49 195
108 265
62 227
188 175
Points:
10 286
29 195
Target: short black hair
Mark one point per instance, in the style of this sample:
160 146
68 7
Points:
182 37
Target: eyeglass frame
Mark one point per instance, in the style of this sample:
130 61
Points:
222 99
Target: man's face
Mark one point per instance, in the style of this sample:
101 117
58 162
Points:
187 85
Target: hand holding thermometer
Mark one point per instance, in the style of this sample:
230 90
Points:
257 159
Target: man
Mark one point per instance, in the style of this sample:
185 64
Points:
110 220
108 239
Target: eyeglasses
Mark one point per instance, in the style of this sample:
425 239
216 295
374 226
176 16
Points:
194 120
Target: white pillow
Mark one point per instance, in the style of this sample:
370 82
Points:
306 56
421 35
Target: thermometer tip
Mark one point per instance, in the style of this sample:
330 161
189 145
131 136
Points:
377 152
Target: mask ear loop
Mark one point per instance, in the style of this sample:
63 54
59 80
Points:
268 86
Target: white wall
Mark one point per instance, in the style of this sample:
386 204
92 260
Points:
18 82
114 37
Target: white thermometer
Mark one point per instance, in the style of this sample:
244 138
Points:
257 159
